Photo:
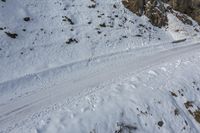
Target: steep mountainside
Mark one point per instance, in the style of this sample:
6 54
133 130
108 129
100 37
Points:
94 66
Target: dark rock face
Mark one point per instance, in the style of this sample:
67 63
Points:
153 9
189 7
156 11
136 6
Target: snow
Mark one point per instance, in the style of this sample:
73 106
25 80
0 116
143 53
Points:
42 46
180 30
76 67
139 100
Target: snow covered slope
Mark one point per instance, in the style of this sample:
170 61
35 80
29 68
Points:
164 99
57 32
142 94
85 64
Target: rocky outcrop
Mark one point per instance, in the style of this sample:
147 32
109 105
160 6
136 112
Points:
136 6
153 9
157 13
189 7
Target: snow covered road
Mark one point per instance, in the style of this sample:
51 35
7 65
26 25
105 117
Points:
79 83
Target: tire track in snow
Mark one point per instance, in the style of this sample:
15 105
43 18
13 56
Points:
15 111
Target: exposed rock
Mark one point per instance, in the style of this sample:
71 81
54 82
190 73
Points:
182 17
11 35
136 6
65 18
156 11
197 115
160 123
153 9
71 40
27 19
189 7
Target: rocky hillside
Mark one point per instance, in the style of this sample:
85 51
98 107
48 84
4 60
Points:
156 10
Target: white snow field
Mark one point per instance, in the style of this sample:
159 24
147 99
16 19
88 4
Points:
91 66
